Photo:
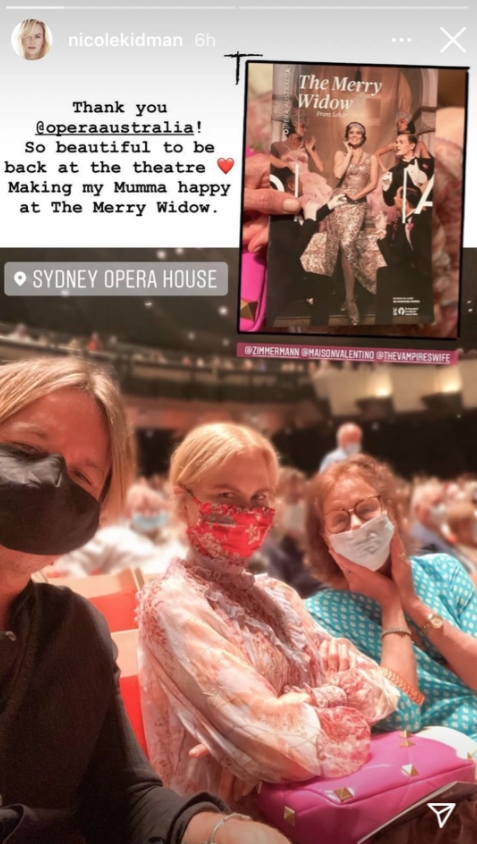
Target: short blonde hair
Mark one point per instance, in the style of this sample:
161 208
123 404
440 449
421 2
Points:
211 445
23 30
26 381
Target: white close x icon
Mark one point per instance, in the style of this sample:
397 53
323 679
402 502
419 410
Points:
453 39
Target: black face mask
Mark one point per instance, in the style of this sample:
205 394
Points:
42 511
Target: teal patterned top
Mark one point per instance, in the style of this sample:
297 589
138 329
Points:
444 586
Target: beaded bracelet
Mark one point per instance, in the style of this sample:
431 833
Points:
224 820
402 630
413 694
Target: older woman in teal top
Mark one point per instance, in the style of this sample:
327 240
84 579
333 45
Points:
387 603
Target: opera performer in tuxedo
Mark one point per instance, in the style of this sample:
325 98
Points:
419 170
406 248
289 237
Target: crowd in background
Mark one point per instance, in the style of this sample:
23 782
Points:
439 516
110 345
240 680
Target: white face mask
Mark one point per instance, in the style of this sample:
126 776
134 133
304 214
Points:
352 448
367 546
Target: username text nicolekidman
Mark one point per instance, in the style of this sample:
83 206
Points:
125 39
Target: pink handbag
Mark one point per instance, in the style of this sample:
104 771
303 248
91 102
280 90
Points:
253 292
401 770
253 286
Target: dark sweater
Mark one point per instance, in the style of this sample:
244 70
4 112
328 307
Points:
70 767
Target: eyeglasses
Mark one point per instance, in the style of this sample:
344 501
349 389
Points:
337 521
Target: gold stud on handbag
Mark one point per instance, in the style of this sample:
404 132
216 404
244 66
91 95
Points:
289 815
248 309
343 794
410 770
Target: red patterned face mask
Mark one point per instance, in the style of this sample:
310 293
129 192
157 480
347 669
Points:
226 531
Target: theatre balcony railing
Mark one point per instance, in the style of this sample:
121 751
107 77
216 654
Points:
137 376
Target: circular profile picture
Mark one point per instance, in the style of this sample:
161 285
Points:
31 40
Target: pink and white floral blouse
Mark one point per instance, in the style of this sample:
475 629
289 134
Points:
233 663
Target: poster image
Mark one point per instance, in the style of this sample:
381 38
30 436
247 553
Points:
356 145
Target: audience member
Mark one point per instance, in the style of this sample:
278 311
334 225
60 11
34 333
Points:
428 518
94 343
158 483
71 768
285 549
417 616
141 539
75 344
349 438
20 334
462 522
235 662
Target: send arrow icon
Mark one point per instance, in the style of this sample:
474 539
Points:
442 811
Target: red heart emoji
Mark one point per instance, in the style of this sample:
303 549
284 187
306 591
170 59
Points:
225 164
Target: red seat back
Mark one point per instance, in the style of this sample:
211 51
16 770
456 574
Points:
132 701
119 608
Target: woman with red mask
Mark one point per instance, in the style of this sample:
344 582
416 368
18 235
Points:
233 663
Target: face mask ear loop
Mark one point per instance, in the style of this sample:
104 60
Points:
194 499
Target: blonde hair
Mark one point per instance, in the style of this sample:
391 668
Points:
211 445
24 30
26 381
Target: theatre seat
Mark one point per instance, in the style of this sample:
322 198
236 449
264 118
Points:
112 594
100 584
119 609
126 643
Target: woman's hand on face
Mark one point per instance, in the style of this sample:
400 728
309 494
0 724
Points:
401 570
336 655
347 147
369 583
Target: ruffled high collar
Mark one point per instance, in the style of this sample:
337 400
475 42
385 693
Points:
220 570
253 604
